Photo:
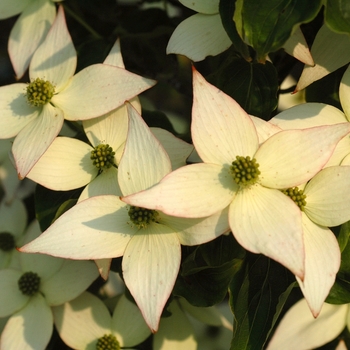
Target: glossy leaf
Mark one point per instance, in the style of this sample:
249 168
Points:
253 85
48 202
207 271
337 15
340 292
257 295
266 25
226 10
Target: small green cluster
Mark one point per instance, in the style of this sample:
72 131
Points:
297 196
142 217
7 241
39 92
29 283
102 156
245 171
107 342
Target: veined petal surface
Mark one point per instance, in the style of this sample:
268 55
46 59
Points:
308 115
70 281
16 112
55 60
98 89
105 183
145 161
199 36
153 254
297 47
96 228
13 217
11 298
268 222
110 129
221 129
193 191
179 337
29 328
126 318
29 32
330 51
327 196
322 261
9 8
82 321
300 330
264 129
177 149
115 57
65 165
198 231
32 141
291 157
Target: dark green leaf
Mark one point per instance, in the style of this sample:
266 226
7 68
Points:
227 9
253 85
343 237
337 15
340 292
257 294
207 271
48 202
326 90
267 25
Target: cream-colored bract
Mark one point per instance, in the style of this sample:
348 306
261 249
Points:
77 97
262 219
100 227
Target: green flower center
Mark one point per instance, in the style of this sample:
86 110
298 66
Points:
107 342
142 217
29 283
297 195
103 156
7 241
245 171
39 92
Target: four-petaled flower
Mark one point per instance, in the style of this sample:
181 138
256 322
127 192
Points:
244 177
149 241
29 291
30 29
54 94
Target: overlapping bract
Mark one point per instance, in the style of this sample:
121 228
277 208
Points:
193 204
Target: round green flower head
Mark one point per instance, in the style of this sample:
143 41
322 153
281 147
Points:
7 241
107 342
297 195
103 156
29 283
39 92
245 171
142 217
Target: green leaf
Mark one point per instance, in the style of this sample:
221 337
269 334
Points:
340 292
343 237
337 15
257 294
207 271
253 85
48 204
226 10
266 25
